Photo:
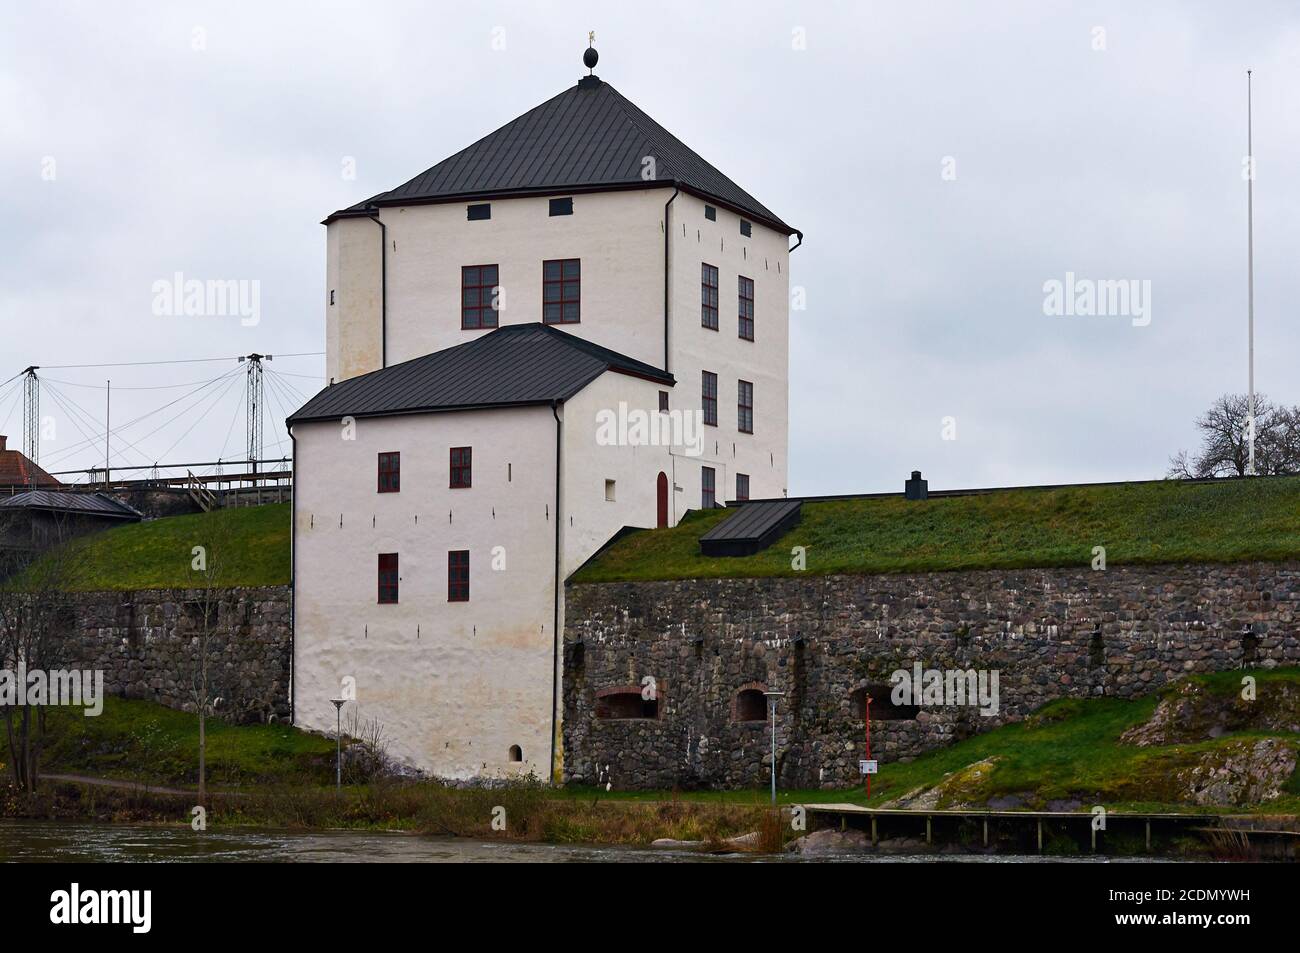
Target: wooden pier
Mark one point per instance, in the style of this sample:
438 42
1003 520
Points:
1089 831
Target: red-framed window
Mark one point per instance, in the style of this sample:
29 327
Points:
709 297
709 397
478 296
708 488
461 469
562 291
458 575
388 577
742 487
744 406
745 287
390 472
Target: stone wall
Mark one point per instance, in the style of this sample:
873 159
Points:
1048 633
145 642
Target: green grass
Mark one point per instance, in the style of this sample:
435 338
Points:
1165 522
254 542
143 741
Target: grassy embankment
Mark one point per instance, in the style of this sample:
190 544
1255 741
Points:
157 554
1167 522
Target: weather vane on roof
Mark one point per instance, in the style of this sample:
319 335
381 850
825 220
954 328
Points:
591 37
590 56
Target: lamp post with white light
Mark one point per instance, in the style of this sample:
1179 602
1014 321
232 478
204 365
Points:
338 742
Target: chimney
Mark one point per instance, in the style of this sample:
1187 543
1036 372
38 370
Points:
916 488
3 438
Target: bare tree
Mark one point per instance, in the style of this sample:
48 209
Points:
208 560
1225 440
34 636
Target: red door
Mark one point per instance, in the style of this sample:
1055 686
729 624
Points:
661 493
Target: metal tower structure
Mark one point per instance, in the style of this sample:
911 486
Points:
253 408
32 414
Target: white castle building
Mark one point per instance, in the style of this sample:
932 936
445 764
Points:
510 335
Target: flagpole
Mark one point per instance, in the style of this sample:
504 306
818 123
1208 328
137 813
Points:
1250 276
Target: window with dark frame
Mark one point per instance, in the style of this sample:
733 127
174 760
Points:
390 472
710 213
458 575
562 206
387 578
745 289
744 406
478 296
709 297
663 401
708 490
562 291
709 397
461 473
742 487
745 228
479 213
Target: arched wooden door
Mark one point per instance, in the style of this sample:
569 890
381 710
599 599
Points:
661 495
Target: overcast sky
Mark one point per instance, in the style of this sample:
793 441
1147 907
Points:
1103 139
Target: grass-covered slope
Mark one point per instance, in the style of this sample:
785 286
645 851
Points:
253 542
1165 522
149 743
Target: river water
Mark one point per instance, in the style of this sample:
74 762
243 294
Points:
27 841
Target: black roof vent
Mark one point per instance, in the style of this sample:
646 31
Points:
590 57
916 488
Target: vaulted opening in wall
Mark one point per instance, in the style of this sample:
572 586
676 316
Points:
750 705
516 753
624 704
882 705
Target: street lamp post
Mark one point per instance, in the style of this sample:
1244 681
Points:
771 717
338 742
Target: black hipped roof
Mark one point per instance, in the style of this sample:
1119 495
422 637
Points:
516 365
588 138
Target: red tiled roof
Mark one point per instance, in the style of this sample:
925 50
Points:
17 470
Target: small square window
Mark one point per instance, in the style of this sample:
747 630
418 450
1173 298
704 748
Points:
388 578
609 491
663 401
709 397
458 575
390 472
708 296
745 228
461 458
562 206
562 291
479 213
710 213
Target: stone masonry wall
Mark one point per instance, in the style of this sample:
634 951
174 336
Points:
145 643
1049 633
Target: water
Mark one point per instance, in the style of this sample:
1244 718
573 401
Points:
101 843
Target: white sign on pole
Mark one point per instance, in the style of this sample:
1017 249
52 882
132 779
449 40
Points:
867 767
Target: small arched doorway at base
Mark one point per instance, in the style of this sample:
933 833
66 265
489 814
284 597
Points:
661 500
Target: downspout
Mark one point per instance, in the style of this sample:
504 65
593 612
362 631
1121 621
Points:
293 582
555 618
676 190
383 288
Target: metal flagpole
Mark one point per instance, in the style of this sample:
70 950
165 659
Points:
1250 276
